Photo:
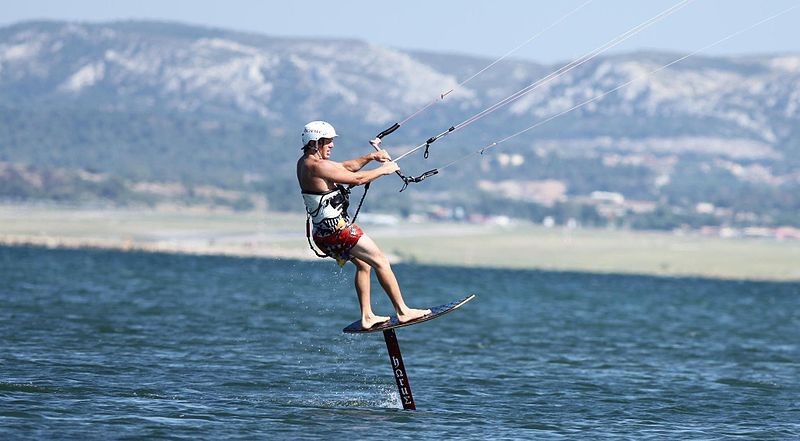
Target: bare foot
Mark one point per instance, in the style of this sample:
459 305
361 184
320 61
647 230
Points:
368 322
412 314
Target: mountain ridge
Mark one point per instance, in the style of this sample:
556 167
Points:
165 101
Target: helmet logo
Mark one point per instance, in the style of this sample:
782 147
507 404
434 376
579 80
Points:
315 130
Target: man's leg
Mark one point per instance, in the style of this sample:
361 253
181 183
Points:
367 251
368 318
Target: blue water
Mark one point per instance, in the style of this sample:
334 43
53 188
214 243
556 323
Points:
110 345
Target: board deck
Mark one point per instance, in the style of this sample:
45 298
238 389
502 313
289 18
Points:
436 311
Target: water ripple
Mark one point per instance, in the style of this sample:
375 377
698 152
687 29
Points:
114 345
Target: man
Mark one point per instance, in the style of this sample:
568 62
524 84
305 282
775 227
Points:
322 182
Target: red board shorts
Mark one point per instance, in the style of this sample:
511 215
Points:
339 244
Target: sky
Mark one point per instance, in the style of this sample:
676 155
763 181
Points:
483 28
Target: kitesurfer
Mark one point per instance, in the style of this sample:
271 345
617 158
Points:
323 183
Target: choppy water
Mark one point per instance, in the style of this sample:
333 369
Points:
107 345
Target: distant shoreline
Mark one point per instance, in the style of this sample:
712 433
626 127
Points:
156 247
516 246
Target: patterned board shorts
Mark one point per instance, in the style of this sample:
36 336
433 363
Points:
339 244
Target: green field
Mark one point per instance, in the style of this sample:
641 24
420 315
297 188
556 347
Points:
282 235
608 251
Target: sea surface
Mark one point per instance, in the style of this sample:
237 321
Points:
112 345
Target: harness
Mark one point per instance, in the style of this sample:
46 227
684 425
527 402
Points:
327 212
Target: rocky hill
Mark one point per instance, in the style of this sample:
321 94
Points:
162 103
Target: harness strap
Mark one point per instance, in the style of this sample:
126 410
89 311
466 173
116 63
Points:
309 222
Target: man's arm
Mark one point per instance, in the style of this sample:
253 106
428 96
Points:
339 173
357 164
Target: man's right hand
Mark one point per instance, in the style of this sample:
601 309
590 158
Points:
381 156
389 167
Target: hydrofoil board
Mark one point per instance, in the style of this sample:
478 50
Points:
436 311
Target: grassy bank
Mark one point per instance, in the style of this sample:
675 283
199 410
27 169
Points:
523 246
609 251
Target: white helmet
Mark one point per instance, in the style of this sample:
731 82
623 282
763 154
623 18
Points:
315 130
